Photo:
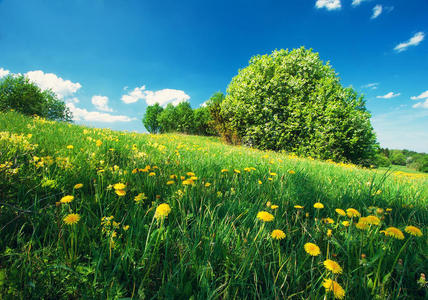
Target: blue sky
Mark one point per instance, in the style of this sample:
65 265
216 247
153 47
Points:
110 59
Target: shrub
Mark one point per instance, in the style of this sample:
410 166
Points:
18 93
291 101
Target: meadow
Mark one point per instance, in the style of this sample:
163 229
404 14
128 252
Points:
98 214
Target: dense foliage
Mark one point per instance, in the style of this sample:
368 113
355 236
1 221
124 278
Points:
180 118
90 213
410 159
291 101
18 93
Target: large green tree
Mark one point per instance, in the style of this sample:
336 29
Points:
18 93
151 118
291 100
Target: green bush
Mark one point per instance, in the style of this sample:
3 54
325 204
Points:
381 160
151 118
291 101
18 93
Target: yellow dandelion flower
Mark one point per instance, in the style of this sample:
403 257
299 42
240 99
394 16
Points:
187 182
413 230
193 178
119 186
332 286
152 174
394 232
169 182
329 233
351 212
362 225
260 182
98 143
190 174
298 206
340 212
312 249
173 176
345 223
274 206
332 266
126 227
120 193
162 211
389 209
140 197
78 186
237 171
71 219
370 220
224 170
291 172
268 204
265 216
207 184
318 205
328 220
278 234
70 147
272 174
66 199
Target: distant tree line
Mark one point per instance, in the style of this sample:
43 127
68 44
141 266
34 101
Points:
411 159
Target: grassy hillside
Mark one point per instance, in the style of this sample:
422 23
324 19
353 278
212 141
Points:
116 237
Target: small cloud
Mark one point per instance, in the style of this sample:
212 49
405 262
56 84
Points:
72 100
134 95
377 10
163 97
421 96
372 86
80 114
62 88
101 103
357 2
389 95
3 72
413 41
328 4
421 104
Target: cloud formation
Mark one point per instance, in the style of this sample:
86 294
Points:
372 86
81 114
101 103
163 97
413 41
421 96
421 104
62 88
377 10
328 4
357 2
3 72
389 95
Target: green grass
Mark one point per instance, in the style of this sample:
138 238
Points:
211 245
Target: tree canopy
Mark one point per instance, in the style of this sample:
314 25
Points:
18 93
291 100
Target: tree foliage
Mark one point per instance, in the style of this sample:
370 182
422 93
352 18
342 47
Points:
151 118
291 101
18 93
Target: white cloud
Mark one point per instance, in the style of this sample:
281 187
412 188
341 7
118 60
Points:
62 88
357 2
372 86
413 41
421 96
389 95
80 114
101 103
3 72
163 97
134 95
72 100
328 4
166 96
377 10
421 104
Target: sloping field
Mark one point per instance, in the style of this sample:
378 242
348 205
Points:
90 213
